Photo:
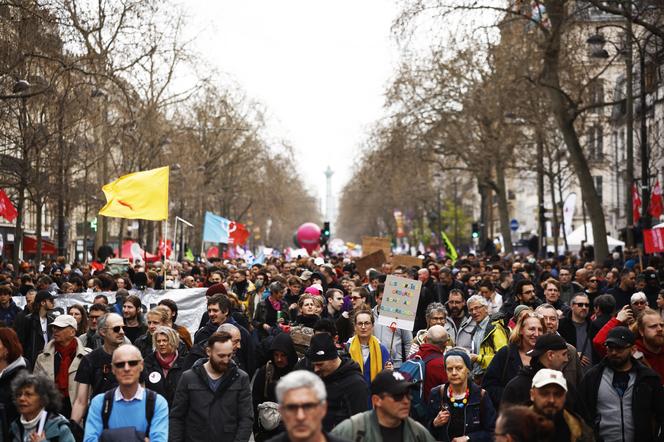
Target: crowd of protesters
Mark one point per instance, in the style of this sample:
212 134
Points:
503 348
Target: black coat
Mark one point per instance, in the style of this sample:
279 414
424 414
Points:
503 368
200 414
8 412
567 330
246 355
164 385
647 401
347 394
30 335
283 437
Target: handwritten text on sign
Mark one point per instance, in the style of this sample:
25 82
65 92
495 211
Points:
399 302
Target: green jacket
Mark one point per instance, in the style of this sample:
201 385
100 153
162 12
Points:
363 427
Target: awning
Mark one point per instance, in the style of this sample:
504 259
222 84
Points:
30 246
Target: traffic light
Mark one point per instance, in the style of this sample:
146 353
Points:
476 230
325 234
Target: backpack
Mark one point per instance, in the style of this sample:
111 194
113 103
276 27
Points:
125 434
414 370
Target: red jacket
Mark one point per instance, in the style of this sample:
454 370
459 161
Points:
652 360
435 373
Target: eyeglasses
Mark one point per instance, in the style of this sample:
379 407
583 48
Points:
363 324
582 304
117 328
639 302
307 407
123 364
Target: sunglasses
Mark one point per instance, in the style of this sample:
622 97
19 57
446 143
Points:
307 407
582 304
123 364
399 397
117 328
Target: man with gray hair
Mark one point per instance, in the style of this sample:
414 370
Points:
480 335
302 404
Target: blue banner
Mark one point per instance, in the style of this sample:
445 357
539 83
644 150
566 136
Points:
215 228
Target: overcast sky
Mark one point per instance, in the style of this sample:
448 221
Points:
320 68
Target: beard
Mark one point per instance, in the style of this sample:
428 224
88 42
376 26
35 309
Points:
455 311
219 367
655 341
616 362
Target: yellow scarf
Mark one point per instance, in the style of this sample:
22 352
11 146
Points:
375 355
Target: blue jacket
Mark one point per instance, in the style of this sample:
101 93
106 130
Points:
479 414
8 314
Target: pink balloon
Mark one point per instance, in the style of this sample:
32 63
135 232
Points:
308 236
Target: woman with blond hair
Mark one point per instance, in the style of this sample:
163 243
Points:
164 365
512 357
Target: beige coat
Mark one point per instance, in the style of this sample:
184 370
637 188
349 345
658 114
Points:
46 365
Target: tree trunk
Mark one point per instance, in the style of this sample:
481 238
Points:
38 231
564 113
18 230
485 200
503 209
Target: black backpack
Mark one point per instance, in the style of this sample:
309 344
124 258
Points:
122 433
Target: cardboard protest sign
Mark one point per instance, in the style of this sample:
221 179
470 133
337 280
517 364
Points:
374 260
399 304
372 243
406 261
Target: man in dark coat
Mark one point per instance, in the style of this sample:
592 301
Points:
213 399
348 392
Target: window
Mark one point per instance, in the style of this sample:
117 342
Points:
595 143
596 90
598 186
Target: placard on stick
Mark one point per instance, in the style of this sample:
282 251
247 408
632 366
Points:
406 261
375 260
399 305
372 243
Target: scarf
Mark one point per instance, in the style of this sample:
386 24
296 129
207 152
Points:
275 304
166 363
67 354
375 355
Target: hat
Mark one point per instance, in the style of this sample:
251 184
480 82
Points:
314 289
547 342
620 336
462 354
519 308
373 274
63 321
390 382
650 274
319 261
216 289
547 376
306 275
43 295
322 348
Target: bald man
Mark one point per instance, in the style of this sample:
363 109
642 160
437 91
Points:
432 353
131 405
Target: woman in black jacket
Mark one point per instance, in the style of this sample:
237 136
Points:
508 360
11 364
164 365
282 360
271 311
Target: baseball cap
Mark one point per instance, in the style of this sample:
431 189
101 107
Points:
390 382
620 336
546 376
547 342
63 321
322 348
319 261
306 275
43 295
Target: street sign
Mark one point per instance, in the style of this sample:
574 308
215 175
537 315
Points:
514 225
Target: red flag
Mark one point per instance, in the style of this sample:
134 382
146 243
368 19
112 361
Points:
237 233
656 208
7 209
636 204
653 240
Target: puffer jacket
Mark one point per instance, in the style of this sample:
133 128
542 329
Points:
347 393
56 429
156 381
8 412
479 414
49 359
200 414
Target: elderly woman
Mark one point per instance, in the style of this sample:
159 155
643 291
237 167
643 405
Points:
435 315
512 357
164 365
459 410
81 316
38 400
11 365
639 302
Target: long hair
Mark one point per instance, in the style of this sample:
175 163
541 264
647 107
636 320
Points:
515 337
83 325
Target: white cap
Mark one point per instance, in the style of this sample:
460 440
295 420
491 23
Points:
63 321
319 261
547 376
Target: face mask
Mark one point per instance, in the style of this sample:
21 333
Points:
169 284
259 283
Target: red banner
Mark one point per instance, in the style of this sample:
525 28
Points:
653 240
636 204
7 209
656 208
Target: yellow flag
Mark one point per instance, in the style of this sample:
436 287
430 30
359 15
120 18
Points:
139 195
449 248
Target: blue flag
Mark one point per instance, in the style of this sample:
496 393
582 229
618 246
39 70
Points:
215 228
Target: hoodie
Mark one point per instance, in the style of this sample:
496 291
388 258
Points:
347 393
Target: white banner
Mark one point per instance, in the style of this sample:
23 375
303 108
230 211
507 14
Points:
399 305
568 212
191 302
